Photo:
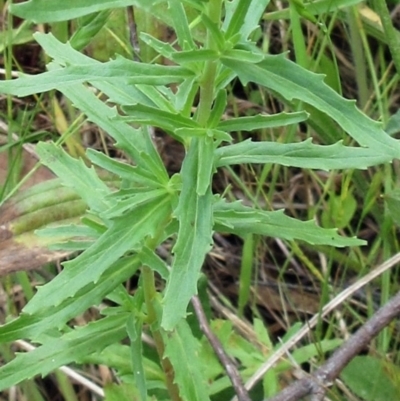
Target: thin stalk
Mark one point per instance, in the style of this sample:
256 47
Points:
150 297
150 294
390 32
207 81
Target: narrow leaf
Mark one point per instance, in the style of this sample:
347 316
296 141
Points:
124 233
182 349
261 121
294 82
114 70
241 220
44 320
59 351
304 154
53 10
75 174
194 213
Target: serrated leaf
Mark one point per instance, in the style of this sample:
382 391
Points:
294 82
114 70
239 219
125 171
303 154
59 351
261 121
48 318
182 350
124 233
53 10
75 174
122 206
156 117
194 213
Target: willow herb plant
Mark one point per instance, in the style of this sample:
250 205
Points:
123 227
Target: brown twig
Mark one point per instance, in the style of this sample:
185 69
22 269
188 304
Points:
323 377
133 36
226 362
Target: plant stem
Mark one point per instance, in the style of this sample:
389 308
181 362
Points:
150 294
208 79
153 318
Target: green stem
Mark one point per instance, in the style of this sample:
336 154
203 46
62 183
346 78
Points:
150 294
391 34
207 80
150 297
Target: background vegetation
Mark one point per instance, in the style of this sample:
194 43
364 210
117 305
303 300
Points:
163 99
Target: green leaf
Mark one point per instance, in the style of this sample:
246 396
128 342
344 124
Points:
183 349
149 258
32 326
76 175
243 55
261 121
205 164
392 200
198 55
114 70
218 109
156 117
241 220
88 27
243 16
304 154
294 82
53 10
181 25
368 377
134 329
124 233
125 171
59 351
194 213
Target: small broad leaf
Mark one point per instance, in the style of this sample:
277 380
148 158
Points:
239 219
369 378
124 233
194 213
182 349
303 154
261 121
59 351
392 200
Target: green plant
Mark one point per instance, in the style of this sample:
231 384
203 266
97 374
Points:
123 227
